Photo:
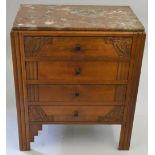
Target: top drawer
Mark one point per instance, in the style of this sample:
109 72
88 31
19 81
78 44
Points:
77 47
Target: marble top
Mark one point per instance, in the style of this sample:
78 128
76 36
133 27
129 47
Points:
77 17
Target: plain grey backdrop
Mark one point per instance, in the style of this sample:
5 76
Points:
92 140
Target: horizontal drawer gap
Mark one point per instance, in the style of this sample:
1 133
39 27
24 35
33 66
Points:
79 33
83 58
36 104
77 122
83 84
87 83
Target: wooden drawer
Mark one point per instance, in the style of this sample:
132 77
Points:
76 94
76 71
98 114
77 47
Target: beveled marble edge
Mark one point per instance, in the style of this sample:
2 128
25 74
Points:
73 29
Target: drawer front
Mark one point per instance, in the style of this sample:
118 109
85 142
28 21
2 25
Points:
98 114
77 47
76 94
76 71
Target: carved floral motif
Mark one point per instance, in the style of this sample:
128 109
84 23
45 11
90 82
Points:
39 115
115 115
34 44
121 45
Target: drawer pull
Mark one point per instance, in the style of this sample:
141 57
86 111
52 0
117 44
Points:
77 48
76 113
77 71
77 94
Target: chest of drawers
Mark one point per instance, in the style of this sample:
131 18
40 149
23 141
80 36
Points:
76 65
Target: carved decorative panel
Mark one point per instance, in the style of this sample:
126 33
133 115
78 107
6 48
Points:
38 114
122 45
34 44
115 115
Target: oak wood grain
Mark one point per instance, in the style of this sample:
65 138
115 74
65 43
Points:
76 94
100 114
77 47
76 72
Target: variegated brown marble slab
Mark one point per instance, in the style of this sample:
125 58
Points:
52 17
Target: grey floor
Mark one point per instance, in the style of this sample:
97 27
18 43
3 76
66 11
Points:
78 139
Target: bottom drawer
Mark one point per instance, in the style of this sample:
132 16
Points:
76 114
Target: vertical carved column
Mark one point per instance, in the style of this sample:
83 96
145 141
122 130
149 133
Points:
120 93
33 93
122 72
31 70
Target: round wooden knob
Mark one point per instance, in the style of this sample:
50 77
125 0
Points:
76 113
77 71
77 94
77 48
